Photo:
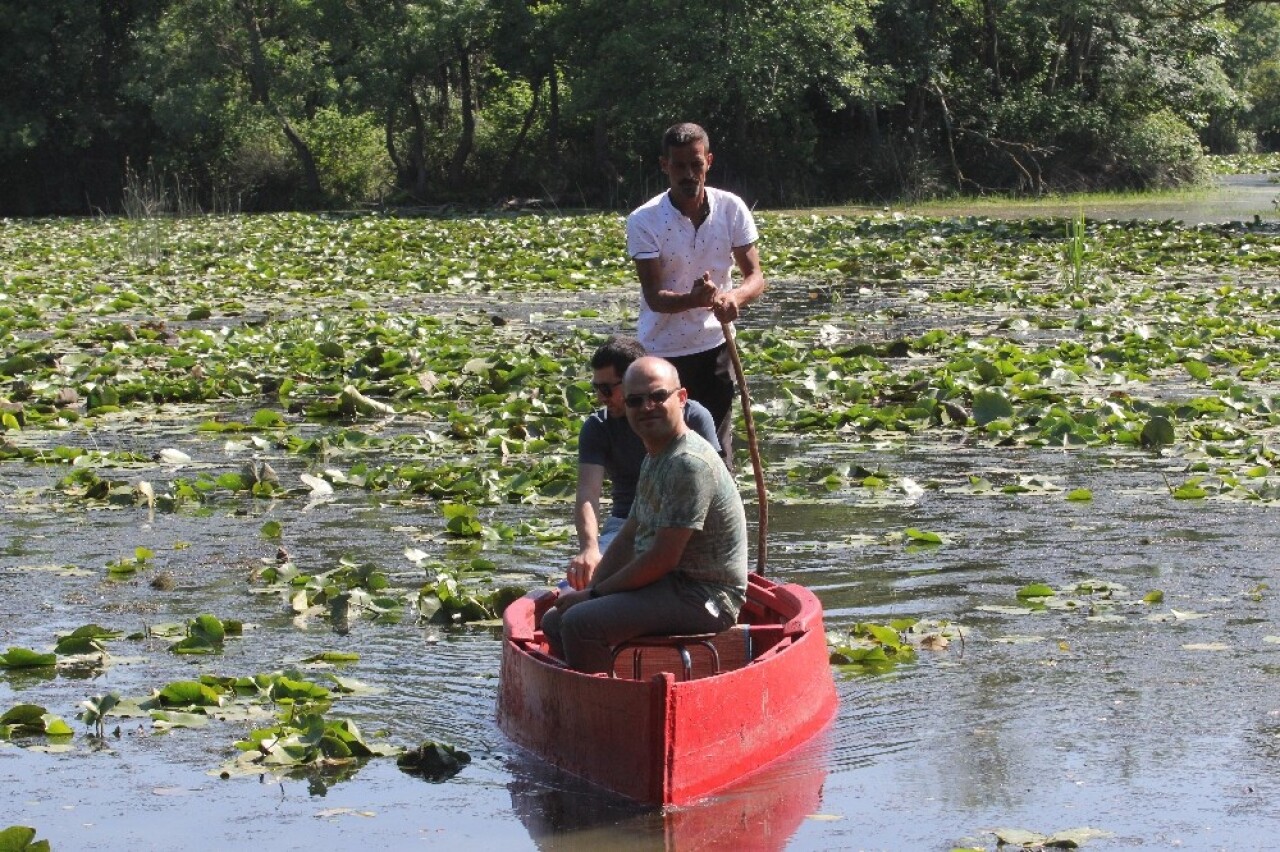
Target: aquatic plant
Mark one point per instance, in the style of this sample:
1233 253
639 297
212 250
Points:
21 838
31 720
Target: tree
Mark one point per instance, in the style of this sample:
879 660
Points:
284 103
755 73
1027 94
1253 69
221 73
66 124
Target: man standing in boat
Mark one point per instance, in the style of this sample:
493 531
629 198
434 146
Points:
607 447
685 243
679 563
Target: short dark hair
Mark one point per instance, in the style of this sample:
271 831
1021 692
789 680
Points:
684 133
617 352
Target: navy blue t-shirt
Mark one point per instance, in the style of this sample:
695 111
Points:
609 442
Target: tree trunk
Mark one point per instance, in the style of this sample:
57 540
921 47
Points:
991 44
389 137
310 174
508 168
417 147
553 119
259 91
612 179
466 95
260 87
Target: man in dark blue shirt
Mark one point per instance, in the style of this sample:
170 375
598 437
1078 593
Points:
608 448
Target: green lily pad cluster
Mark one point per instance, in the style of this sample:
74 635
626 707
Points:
873 648
25 658
452 595
87 639
206 634
305 740
87 642
299 738
124 568
1095 599
343 592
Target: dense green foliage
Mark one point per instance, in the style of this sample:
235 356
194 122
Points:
271 104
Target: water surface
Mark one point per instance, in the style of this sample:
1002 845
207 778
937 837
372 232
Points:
1157 724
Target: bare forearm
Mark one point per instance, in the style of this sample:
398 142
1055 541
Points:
729 304
619 554
586 518
701 294
586 507
749 289
671 302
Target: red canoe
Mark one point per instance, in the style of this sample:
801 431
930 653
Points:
660 739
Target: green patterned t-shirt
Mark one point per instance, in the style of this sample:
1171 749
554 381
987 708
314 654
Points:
688 486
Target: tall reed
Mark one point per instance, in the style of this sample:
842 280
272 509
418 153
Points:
1075 253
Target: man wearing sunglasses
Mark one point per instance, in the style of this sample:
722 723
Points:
608 448
679 563
685 244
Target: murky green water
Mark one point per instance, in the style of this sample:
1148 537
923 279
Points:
1158 725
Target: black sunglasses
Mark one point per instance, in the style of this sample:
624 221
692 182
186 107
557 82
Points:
604 388
658 397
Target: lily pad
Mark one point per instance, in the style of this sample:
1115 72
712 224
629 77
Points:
25 658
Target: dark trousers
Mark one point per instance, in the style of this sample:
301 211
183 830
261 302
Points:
585 634
708 377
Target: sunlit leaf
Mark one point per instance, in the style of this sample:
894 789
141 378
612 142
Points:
1197 370
989 405
171 456
317 485
21 838
332 657
267 419
23 658
186 693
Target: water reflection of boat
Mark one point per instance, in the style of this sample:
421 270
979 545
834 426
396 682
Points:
662 740
761 812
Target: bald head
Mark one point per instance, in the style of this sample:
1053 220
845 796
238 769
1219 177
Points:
650 368
655 402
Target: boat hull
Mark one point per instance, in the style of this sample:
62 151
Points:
660 740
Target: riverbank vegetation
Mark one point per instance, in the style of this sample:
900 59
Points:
247 105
